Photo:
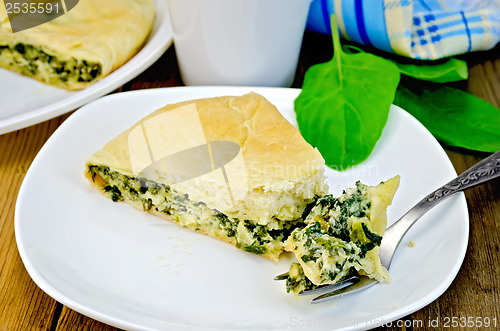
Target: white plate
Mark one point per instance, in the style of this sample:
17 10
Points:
26 101
137 271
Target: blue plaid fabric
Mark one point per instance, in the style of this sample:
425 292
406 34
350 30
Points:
420 29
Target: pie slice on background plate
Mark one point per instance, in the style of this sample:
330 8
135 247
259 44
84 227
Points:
80 47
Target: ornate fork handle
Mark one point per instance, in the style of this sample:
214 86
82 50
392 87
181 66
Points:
484 171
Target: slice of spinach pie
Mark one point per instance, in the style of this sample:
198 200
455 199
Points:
80 47
231 167
341 237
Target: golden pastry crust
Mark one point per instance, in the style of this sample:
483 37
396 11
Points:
104 34
282 169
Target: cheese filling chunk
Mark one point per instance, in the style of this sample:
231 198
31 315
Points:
80 47
341 237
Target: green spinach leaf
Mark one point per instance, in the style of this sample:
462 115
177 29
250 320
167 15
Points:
438 71
451 70
344 104
454 117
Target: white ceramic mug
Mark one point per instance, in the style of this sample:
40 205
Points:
238 42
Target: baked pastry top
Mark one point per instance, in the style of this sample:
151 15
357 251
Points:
80 47
169 164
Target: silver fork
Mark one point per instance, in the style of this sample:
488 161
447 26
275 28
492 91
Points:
480 173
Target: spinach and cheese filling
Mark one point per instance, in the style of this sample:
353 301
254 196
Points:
30 60
195 215
341 237
297 281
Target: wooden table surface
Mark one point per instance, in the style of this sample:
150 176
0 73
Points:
473 294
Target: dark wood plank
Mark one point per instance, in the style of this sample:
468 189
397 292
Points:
71 320
23 306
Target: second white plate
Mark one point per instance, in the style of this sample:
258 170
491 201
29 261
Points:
26 101
137 271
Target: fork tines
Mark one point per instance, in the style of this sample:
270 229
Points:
331 288
283 276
